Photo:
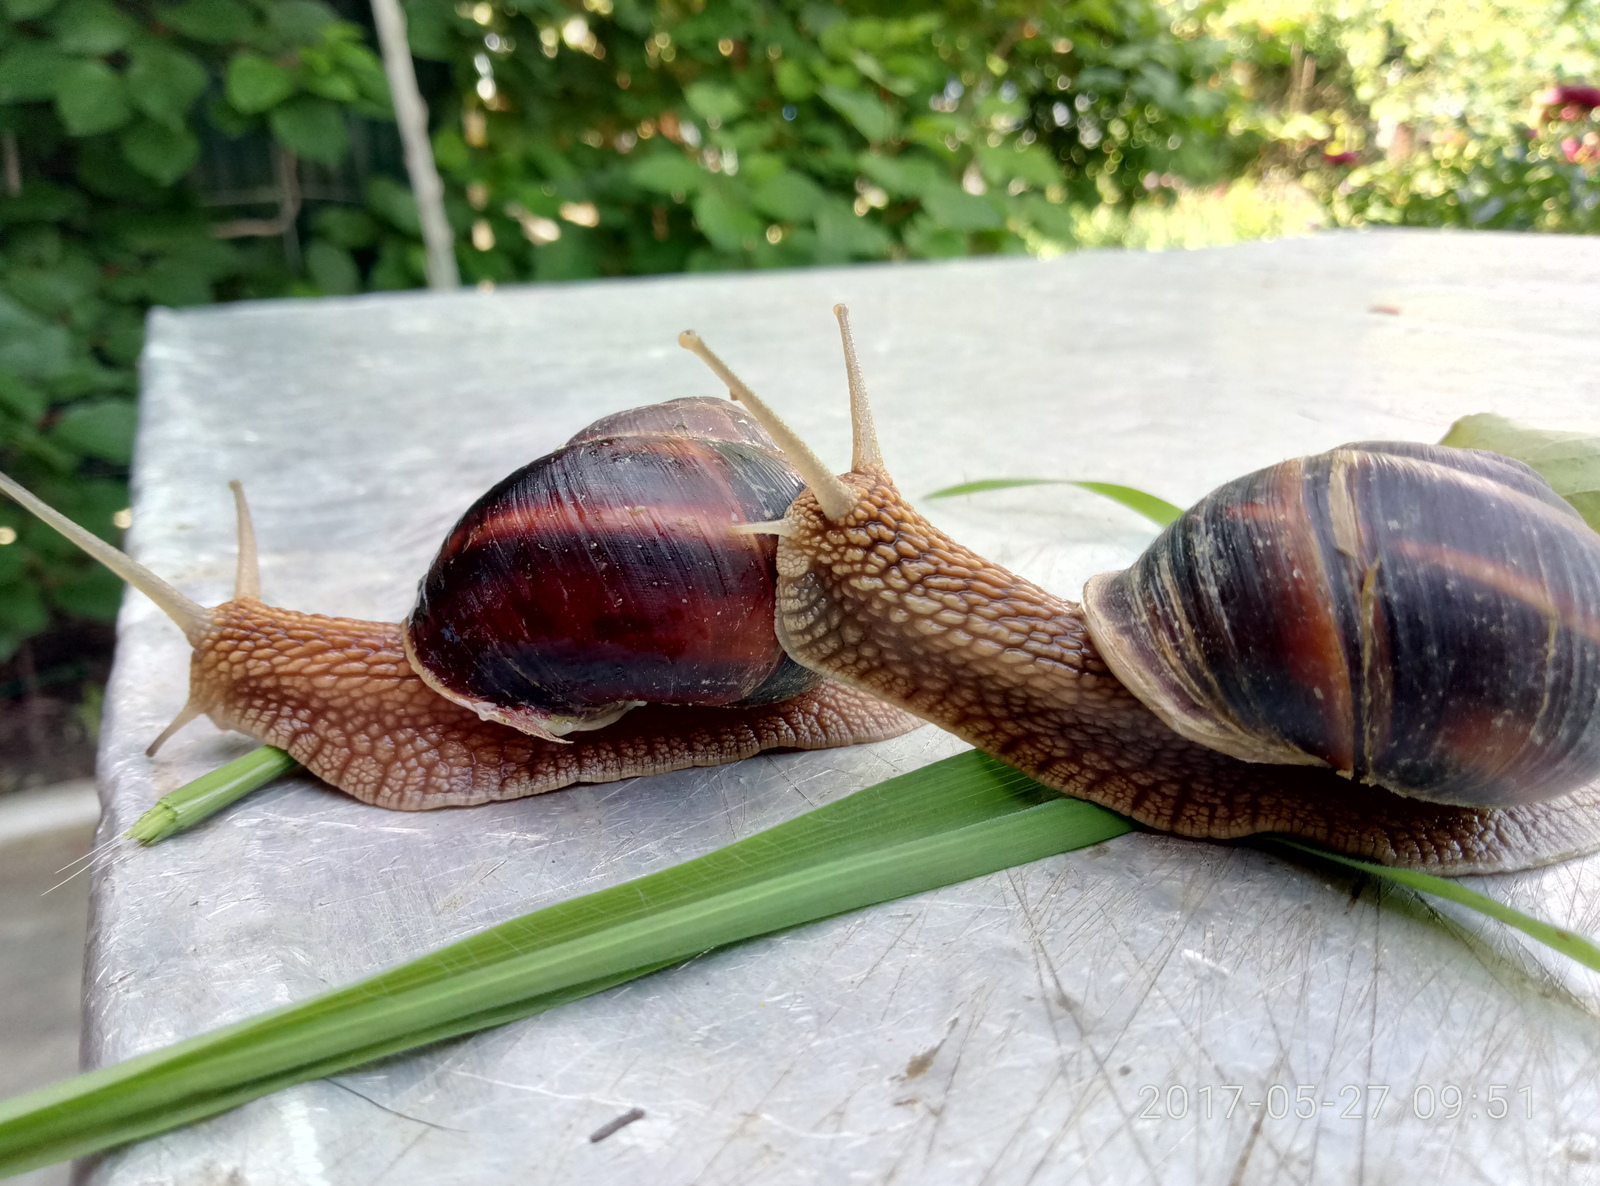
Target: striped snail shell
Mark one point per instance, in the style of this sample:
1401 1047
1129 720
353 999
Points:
1422 618
604 575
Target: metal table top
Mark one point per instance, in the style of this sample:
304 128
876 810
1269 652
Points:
1148 1010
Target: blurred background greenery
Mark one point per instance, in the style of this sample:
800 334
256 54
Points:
205 150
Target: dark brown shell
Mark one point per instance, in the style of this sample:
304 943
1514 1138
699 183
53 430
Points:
604 575
1419 617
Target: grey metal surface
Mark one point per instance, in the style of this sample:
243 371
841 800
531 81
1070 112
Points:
1012 1029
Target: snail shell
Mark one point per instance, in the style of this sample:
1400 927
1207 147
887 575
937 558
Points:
1421 618
603 576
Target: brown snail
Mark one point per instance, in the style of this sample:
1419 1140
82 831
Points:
607 567
1424 618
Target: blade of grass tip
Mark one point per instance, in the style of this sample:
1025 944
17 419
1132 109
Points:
210 793
1576 947
954 820
1157 510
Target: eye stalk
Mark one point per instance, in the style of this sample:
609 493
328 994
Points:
835 496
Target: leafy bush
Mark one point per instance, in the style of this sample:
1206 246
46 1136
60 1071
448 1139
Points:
1456 113
103 112
635 137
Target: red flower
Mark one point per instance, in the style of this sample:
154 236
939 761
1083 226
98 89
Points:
1341 158
1572 149
1574 99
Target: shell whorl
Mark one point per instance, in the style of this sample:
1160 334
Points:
1421 618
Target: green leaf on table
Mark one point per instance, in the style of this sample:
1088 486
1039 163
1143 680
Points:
1569 461
255 83
202 798
159 151
948 822
1574 946
311 127
870 115
29 72
164 82
91 97
1158 510
216 21
668 172
92 27
100 428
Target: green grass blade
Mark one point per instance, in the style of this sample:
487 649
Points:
210 793
948 822
1158 510
1577 947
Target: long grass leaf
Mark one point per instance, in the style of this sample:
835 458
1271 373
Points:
948 822
210 793
1158 510
1577 947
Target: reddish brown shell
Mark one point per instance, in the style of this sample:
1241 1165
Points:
1422 618
604 575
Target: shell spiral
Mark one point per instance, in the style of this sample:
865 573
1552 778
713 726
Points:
1421 618
603 576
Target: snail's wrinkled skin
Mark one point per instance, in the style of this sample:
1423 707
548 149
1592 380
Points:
883 601
340 697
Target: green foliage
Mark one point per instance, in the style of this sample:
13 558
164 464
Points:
1425 115
103 108
630 138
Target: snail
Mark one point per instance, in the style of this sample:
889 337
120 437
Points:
590 619
1391 649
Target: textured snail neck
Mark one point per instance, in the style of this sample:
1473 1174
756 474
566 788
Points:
881 600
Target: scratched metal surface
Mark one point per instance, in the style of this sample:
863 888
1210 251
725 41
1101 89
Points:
1061 1020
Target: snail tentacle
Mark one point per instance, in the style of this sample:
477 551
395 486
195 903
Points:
247 570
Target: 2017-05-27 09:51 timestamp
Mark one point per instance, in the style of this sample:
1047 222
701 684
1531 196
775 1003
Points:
1353 1102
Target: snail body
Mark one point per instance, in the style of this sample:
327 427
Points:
641 691
874 596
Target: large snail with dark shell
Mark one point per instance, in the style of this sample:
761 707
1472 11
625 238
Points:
596 592
1390 649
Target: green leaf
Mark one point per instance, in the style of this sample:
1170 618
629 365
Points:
1033 165
159 151
27 10
794 80
953 207
30 71
729 226
30 347
842 234
92 27
91 98
788 195
23 401
94 593
22 610
100 428
255 84
867 112
395 203
904 176
1576 947
954 820
1157 510
713 100
314 128
300 22
1569 461
346 227
333 268
668 172
210 793
164 82
216 21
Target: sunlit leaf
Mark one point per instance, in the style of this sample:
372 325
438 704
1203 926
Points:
1569 461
